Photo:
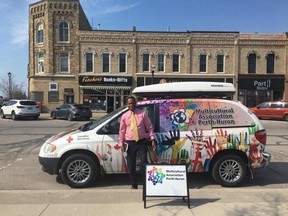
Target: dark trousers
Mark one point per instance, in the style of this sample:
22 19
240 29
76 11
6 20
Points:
133 148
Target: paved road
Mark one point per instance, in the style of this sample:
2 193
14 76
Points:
26 190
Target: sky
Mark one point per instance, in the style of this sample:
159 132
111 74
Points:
244 16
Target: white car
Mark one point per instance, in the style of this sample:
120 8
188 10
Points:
20 109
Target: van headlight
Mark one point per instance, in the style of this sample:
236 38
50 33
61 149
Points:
49 148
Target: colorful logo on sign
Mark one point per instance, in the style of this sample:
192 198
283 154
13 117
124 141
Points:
156 175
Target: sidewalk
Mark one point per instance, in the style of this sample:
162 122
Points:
111 202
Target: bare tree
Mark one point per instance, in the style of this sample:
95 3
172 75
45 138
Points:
11 89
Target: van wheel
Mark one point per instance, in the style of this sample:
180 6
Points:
229 170
2 114
286 117
79 170
13 115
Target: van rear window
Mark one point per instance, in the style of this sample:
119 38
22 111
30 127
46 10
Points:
202 114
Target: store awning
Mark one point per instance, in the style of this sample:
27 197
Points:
106 87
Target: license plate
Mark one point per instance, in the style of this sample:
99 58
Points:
30 108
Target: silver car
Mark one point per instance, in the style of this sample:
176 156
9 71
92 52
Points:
16 109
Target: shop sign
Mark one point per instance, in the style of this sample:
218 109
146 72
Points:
261 84
105 80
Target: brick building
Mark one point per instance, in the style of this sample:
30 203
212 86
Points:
71 62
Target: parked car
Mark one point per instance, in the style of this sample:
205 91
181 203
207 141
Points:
272 110
71 111
20 109
218 136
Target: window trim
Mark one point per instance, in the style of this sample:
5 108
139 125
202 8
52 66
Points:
53 86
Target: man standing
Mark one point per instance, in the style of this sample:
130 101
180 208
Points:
132 131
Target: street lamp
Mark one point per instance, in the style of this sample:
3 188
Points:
9 84
152 71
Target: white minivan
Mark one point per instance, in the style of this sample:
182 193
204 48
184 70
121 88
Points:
212 135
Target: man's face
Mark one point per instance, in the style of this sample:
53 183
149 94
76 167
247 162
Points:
131 104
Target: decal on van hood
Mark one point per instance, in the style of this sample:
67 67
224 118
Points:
62 134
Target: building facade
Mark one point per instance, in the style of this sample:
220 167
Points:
71 62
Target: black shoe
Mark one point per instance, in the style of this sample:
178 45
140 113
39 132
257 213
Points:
134 187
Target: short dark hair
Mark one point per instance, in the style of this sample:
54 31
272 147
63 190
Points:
130 97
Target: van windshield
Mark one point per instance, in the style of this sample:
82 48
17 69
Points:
93 124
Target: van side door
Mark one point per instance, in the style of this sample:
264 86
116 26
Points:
113 159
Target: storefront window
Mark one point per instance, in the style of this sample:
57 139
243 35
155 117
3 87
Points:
104 100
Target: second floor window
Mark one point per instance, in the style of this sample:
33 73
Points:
175 66
270 63
160 62
252 63
220 63
40 62
203 62
89 62
64 62
145 62
122 62
40 36
63 32
106 62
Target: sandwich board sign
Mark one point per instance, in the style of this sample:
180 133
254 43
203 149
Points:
166 181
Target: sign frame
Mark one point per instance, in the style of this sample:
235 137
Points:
166 180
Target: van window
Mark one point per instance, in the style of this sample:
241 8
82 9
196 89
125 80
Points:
286 105
264 105
114 124
183 115
151 111
229 114
276 105
202 114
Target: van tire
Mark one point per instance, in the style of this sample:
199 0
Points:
229 170
79 171
286 117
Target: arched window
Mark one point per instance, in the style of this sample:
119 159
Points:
63 32
270 63
122 62
175 62
40 35
252 63
161 61
40 57
89 62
